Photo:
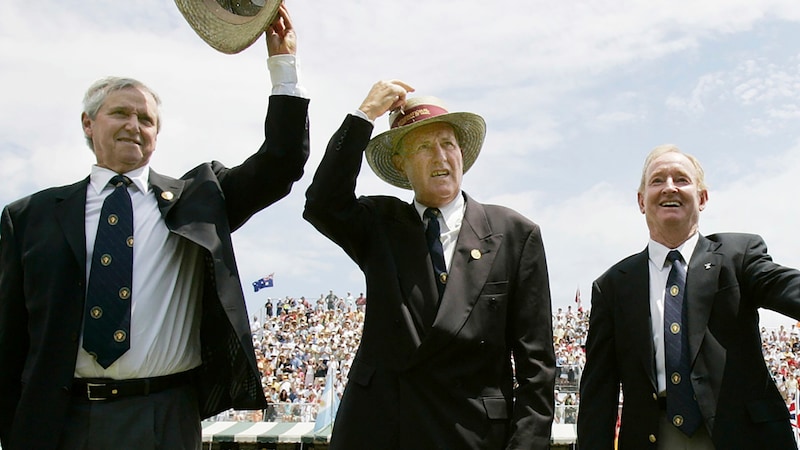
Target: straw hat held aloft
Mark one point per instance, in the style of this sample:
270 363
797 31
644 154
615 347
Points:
229 26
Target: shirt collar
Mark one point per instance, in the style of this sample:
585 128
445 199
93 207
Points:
452 213
657 252
100 177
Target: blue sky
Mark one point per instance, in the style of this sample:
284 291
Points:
574 94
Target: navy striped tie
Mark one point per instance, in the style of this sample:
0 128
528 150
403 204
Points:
107 316
432 233
682 408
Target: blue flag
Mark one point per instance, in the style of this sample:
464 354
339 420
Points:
328 402
263 283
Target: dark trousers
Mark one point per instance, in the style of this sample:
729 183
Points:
165 420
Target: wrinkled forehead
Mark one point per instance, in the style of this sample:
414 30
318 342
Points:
133 98
671 163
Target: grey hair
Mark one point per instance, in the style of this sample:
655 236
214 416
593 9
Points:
98 92
670 148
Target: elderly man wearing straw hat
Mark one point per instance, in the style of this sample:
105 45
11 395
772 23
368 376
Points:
122 317
457 288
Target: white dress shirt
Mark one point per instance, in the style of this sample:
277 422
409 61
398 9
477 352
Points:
167 270
659 271
167 282
449 224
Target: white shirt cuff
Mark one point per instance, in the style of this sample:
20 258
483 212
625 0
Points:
363 115
284 71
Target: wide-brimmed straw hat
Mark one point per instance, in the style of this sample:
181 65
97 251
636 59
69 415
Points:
229 26
470 130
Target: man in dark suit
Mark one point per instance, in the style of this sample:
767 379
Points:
434 368
190 352
730 400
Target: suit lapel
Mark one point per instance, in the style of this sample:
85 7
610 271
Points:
466 277
70 209
167 191
701 286
70 212
635 304
414 271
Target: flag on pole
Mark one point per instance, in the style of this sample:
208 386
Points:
263 282
328 401
578 298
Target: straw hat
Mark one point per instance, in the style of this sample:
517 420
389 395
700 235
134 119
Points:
229 26
470 130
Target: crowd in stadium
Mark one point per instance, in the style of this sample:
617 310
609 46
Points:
294 339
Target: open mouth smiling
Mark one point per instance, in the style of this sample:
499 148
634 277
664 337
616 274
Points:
440 173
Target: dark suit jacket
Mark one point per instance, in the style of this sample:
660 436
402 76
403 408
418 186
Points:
730 276
442 379
42 280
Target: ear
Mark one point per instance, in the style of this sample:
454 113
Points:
86 122
703 199
640 200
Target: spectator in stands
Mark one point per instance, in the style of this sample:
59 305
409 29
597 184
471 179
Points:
279 307
361 303
434 368
268 307
723 280
255 326
330 300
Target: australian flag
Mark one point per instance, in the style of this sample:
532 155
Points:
263 283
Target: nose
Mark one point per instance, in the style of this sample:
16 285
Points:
670 185
132 123
439 152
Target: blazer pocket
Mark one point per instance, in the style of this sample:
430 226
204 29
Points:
496 407
361 373
765 410
495 288
494 296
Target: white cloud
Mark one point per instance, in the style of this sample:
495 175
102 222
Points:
573 92
766 92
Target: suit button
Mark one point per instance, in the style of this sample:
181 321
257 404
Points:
73 337
652 438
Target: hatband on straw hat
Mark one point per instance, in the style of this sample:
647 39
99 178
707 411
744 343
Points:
229 26
470 130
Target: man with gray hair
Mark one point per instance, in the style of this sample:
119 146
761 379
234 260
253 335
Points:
122 316
676 326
